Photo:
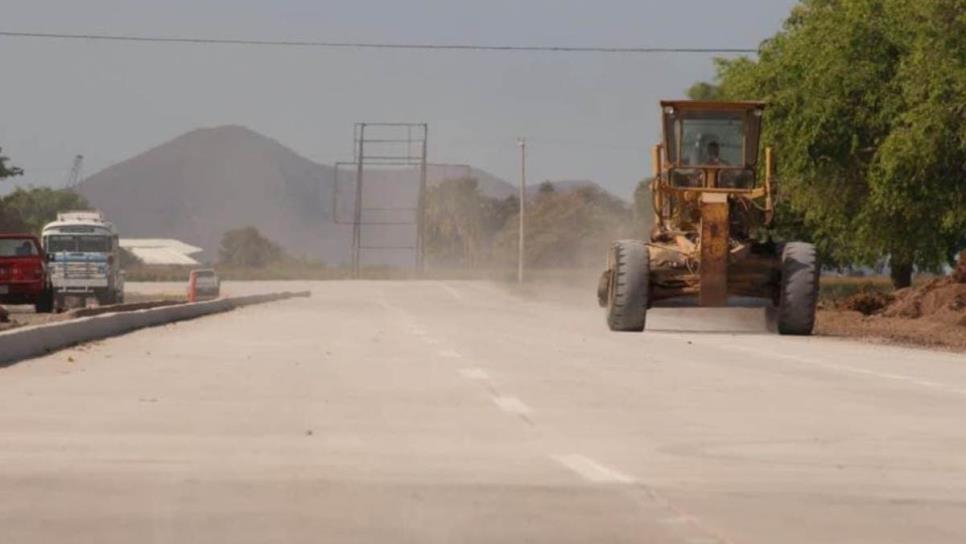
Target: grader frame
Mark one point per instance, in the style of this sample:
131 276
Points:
711 206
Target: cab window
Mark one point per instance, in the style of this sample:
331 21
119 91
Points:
18 247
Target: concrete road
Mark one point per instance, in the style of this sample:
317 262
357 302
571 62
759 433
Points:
460 412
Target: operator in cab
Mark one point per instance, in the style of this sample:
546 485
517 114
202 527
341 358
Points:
714 154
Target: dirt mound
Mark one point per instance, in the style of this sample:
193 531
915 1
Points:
942 299
933 314
866 302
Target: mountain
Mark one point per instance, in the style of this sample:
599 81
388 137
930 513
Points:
207 181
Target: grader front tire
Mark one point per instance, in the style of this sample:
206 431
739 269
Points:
629 286
799 289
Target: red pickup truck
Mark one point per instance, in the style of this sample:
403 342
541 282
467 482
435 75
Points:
23 272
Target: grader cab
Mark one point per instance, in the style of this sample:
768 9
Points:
713 204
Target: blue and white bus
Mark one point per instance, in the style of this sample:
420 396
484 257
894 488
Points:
84 258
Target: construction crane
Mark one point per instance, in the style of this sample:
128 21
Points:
74 177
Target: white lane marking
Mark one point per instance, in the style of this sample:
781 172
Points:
432 341
512 405
450 354
474 374
449 289
845 369
703 540
591 470
853 370
418 331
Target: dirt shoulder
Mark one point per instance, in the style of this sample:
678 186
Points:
892 330
930 313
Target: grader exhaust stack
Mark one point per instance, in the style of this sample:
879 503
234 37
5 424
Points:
713 204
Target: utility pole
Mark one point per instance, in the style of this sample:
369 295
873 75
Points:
421 211
357 214
522 142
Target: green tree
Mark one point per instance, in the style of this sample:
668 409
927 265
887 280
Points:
704 91
28 210
8 223
867 102
8 171
247 247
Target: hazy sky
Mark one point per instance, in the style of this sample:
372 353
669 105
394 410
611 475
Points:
586 116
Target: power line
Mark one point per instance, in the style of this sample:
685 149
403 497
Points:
375 45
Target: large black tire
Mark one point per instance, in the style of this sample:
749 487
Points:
45 304
799 289
105 298
629 286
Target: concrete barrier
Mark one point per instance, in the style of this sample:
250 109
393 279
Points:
125 307
33 341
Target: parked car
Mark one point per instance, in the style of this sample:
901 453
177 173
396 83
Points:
206 283
24 276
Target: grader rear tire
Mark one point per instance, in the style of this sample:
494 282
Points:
629 286
799 289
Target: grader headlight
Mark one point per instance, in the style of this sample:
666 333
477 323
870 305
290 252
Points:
736 179
687 178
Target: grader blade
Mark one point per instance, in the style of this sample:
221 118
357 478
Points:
714 249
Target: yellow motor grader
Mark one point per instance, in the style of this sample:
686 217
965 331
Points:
710 206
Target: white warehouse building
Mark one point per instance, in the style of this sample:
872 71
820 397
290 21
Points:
161 251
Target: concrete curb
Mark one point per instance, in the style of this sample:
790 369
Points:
125 307
32 341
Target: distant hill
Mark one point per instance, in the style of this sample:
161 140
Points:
207 181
